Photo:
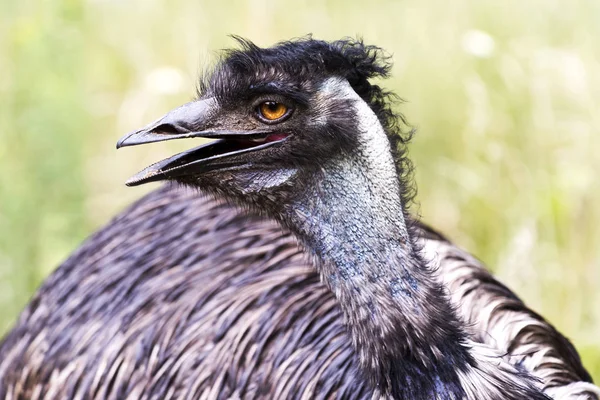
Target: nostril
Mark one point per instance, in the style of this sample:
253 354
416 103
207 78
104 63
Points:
169 129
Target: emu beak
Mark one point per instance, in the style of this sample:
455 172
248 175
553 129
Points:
176 124
188 121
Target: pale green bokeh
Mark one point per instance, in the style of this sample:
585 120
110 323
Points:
505 95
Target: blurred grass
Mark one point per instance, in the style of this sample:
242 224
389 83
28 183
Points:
505 95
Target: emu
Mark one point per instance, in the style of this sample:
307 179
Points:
196 301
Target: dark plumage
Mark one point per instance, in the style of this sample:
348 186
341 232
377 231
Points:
157 306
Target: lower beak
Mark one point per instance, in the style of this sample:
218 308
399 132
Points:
219 154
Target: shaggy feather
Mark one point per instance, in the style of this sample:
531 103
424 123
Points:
191 297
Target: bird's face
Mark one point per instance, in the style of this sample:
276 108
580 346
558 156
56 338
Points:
268 140
278 115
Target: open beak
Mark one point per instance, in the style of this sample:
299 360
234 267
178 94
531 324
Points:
190 121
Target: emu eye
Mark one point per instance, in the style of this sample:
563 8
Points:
272 110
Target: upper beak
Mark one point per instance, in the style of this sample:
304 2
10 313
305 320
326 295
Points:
188 121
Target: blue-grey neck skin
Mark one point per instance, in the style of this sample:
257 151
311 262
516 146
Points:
353 221
350 215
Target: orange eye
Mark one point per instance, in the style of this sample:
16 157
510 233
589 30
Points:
272 110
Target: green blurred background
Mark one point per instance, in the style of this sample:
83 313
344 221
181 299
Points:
505 95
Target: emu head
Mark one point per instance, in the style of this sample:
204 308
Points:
281 116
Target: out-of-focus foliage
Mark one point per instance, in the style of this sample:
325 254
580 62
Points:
505 95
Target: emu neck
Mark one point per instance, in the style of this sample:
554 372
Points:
402 326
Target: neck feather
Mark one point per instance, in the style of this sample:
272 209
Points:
402 326
410 342
399 318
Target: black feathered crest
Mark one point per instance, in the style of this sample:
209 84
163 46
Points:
295 66
306 59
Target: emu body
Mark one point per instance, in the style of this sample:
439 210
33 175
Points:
249 318
181 296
